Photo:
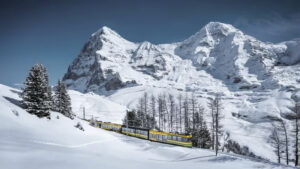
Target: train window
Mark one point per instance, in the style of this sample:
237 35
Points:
164 138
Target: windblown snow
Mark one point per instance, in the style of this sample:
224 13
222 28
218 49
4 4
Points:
30 142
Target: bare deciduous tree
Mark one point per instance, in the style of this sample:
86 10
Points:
215 106
276 141
193 109
296 117
153 109
179 98
186 113
172 111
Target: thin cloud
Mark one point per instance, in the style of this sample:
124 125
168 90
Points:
272 28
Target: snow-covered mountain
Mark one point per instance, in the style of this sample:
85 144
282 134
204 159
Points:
109 62
257 80
218 58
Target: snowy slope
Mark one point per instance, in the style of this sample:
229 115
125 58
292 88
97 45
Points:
257 80
29 142
97 106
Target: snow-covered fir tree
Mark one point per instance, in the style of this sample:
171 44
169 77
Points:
62 100
37 92
201 136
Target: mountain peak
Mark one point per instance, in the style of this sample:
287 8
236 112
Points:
105 31
217 28
106 34
219 25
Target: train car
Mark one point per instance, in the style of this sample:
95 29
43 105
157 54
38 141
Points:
170 138
152 135
136 132
111 126
98 124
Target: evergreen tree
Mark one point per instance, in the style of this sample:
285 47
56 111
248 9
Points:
62 100
37 92
130 119
201 136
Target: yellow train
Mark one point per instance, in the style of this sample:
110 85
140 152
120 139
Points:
152 135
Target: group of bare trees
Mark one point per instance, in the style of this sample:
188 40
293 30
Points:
172 113
180 114
281 137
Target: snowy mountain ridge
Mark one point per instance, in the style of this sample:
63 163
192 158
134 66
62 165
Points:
109 62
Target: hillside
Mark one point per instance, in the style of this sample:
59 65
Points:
30 142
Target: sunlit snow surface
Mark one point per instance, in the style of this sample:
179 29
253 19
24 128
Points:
29 142
257 80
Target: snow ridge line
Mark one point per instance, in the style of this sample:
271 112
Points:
73 146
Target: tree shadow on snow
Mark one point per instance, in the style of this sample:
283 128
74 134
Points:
15 102
15 91
223 159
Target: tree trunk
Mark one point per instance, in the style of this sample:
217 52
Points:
286 142
278 154
217 127
296 144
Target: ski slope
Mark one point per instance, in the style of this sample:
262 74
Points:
29 142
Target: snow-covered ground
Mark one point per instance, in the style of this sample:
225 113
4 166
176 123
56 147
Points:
97 106
29 142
